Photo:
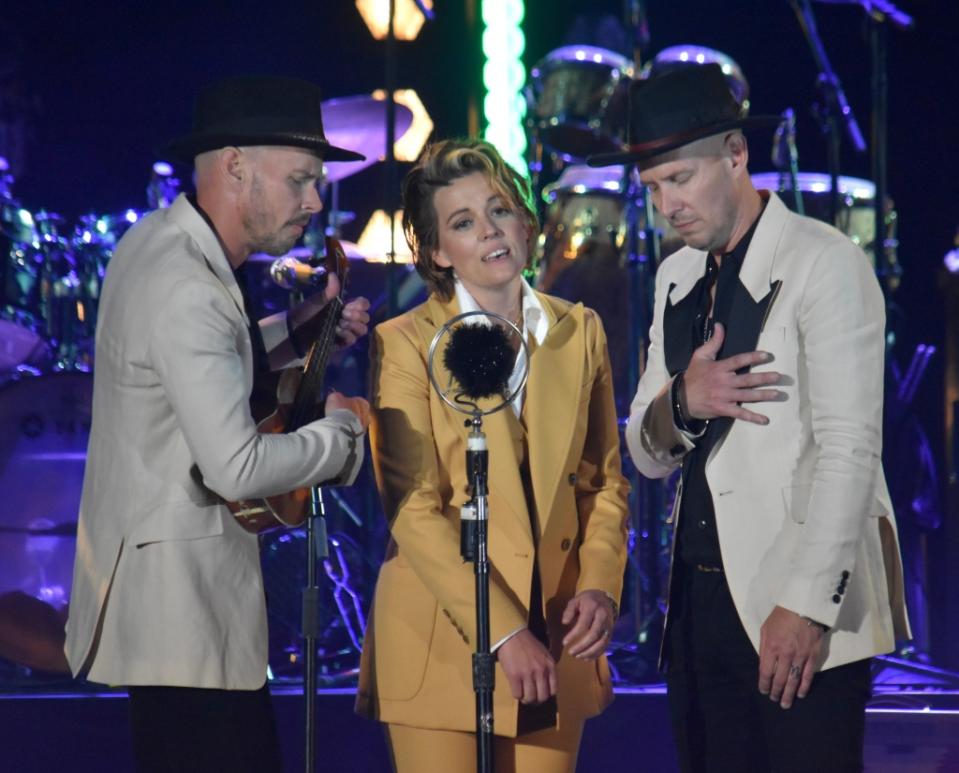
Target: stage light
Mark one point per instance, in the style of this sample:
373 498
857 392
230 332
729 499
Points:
504 75
407 18
409 146
374 242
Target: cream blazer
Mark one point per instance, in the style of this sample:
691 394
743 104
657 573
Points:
416 666
167 587
802 509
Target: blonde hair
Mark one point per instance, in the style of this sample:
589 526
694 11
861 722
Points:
441 164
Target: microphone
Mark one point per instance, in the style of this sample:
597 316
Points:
480 359
884 8
784 153
291 273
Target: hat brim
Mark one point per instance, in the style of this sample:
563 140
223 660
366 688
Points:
673 141
188 147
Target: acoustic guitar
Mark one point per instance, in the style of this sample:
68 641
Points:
290 510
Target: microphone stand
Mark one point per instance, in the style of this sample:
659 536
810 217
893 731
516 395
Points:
834 106
316 548
474 529
474 546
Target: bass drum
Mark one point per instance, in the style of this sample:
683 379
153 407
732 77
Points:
44 429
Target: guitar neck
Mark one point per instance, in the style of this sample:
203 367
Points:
304 409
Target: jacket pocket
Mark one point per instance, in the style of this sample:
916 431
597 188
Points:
177 521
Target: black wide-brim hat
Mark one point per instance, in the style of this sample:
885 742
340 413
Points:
258 110
676 108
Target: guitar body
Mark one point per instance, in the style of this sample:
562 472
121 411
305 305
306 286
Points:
290 510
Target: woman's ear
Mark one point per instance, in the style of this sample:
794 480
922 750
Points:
441 260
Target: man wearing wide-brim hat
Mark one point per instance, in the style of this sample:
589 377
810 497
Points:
167 592
764 386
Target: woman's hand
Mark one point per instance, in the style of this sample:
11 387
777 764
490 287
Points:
529 668
591 615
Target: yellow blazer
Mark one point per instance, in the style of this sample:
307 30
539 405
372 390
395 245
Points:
416 666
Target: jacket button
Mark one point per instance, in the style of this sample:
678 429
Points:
572 479
836 599
845 574
565 544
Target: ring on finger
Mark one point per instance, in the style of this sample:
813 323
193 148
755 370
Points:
795 671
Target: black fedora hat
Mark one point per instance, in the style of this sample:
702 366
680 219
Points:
258 110
676 108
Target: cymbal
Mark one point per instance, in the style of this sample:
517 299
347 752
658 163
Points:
359 123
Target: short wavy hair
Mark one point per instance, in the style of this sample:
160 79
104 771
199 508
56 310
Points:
441 164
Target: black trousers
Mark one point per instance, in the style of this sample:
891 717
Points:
723 724
188 730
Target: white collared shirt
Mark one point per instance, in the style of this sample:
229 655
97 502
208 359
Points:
535 323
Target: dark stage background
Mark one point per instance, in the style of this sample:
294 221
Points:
97 87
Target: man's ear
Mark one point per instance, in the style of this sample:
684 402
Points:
737 149
233 165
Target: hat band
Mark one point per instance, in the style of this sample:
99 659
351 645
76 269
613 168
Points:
263 125
671 141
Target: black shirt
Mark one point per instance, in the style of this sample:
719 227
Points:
697 541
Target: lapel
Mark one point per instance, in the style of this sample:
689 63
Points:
504 477
679 313
185 215
553 399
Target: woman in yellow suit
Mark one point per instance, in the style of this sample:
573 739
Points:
557 497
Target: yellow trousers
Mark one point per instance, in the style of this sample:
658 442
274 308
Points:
418 750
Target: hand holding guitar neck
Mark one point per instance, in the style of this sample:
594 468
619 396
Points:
322 317
307 316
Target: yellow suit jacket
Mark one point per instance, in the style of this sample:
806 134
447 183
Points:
416 666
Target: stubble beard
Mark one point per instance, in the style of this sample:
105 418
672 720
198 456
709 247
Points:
257 221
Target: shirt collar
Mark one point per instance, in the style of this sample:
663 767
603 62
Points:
535 320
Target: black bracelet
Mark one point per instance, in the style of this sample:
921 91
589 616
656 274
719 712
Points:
693 426
297 349
678 419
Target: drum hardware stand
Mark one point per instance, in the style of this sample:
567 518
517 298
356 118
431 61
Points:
833 106
474 523
643 255
884 242
785 157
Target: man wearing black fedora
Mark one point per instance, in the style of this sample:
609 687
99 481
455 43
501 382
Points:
167 592
763 385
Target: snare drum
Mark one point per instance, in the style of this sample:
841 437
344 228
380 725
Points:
44 429
584 220
577 99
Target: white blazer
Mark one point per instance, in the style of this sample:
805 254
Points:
802 509
167 588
